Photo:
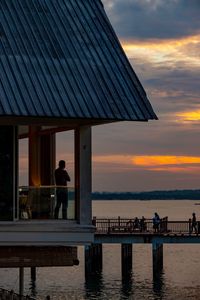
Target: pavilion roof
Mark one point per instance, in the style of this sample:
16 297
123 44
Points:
62 59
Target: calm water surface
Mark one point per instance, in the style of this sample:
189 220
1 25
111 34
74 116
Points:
180 278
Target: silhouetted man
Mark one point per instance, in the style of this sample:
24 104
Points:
61 178
156 222
194 223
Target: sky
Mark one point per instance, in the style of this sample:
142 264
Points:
162 41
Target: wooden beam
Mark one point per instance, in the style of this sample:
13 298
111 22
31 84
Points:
35 256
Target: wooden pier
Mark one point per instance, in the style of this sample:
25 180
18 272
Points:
122 231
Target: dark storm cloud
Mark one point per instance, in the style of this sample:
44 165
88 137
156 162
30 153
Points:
154 18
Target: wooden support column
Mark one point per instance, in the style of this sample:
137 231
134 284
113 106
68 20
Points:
41 170
34 156
83 175
47 158
126 259
33 273
41 157
93 258
93 270
157 249
21 281
8 173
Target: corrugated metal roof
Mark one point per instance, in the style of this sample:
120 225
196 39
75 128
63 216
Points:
61 58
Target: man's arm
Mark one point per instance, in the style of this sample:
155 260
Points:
67 177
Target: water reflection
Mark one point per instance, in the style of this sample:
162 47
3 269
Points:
33 290
94 286
127 285
158 284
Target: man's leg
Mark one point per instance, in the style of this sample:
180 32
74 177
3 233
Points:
58 204
64 205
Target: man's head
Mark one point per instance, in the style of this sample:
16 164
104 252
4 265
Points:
62 164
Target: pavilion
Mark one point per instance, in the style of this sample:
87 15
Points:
62 68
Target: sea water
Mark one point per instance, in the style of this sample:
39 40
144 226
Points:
180 278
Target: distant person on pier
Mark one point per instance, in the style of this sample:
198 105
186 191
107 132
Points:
129 226
61 179
193 223
156 222
136 223
143 225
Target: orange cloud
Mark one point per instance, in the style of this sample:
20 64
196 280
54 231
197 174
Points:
171 169
189 116
164 160
158 163
164 51
115 159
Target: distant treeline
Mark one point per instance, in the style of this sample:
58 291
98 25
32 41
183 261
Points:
153 195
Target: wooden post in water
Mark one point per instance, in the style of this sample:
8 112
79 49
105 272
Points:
21 281
93 258
157 249
126 259
33 273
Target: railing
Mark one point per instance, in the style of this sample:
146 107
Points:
127 225
40 203
179 226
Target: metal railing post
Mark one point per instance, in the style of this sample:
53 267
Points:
108 225
119 221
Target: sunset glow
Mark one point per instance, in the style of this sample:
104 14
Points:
169 51
116 159
189 116
164 160
152 162
172 169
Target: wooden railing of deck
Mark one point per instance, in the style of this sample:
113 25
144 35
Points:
126 225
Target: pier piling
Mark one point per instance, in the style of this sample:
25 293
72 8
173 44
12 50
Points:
33 273
93 258
126 259
21 281
157 249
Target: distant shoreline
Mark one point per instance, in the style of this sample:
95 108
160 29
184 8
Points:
152 195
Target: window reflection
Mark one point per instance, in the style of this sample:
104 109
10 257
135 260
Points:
40 203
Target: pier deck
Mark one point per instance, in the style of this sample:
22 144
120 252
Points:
121 230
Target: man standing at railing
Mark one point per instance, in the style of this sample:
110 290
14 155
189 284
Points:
193 223
156 222
61 179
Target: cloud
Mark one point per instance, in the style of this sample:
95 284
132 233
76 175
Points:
160 19
189 116
169 72
149 162
157 160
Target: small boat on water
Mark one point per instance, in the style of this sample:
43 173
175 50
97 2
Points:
197 203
